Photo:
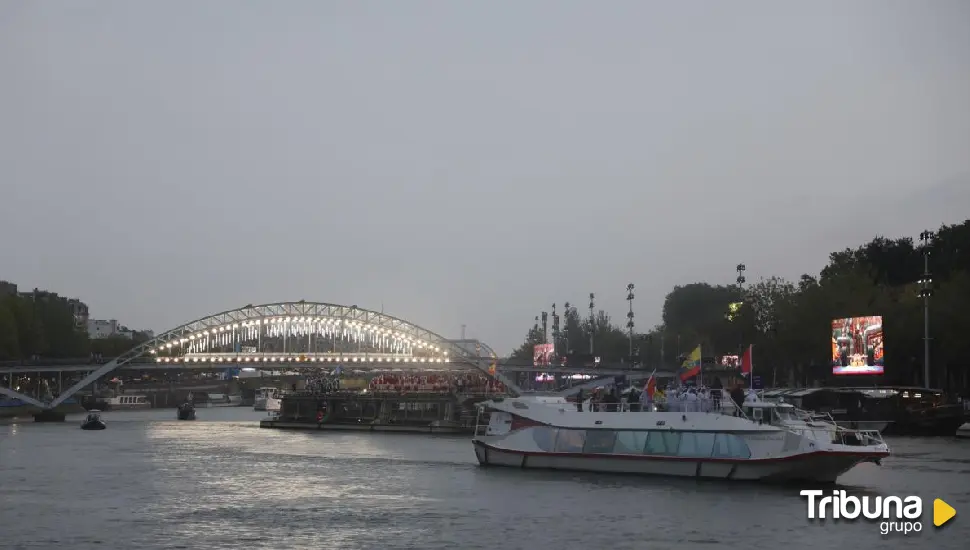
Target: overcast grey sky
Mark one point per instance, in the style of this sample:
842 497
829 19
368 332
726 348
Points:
465 162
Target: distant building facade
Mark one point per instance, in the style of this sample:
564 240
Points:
7 289
101 328
96 328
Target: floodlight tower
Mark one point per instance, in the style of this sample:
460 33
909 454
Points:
741 280
926 290
629 316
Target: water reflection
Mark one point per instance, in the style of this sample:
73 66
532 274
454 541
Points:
221 482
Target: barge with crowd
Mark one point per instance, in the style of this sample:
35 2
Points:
389 403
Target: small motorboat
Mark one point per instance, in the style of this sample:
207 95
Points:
93 421
186 411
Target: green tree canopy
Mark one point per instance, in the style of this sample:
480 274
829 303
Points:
789 322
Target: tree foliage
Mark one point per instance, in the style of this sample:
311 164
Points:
45 328
789 322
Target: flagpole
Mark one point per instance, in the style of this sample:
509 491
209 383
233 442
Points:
700 365
751 374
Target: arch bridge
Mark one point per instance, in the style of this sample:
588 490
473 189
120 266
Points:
288 332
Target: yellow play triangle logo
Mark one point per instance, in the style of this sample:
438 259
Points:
942 512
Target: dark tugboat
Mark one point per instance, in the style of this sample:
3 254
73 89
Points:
186 411
93 421
914 411
415 402
891 410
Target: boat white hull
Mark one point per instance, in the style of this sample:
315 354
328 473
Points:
269 404
220 400
963 432
818 467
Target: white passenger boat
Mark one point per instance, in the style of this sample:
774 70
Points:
267 399
762 441
126 402
220 400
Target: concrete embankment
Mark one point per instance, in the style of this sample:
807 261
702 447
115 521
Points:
27 411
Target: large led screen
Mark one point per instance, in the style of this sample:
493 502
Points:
542 354
857 346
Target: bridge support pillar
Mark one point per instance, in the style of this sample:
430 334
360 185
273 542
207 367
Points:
49 415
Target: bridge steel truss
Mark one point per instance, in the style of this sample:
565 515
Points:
353 318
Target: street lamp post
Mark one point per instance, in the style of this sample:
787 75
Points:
926 290
592 323
629 316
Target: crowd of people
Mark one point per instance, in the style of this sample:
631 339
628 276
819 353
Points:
462 383
322 383
435 383
673 398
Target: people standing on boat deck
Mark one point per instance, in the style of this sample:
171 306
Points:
645 401
716 388
606 403
737 395
691 399
579 401
633 399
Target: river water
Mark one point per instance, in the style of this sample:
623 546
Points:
151 482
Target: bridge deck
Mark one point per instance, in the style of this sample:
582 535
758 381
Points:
597 371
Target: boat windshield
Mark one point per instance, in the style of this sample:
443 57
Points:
784 414
93 417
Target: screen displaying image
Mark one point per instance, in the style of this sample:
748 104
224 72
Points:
857 346
542 355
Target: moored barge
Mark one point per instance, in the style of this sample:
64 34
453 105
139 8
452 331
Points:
418 408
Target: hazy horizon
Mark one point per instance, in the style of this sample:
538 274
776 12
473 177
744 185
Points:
167 160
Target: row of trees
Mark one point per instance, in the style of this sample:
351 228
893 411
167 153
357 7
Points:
46 328
789 322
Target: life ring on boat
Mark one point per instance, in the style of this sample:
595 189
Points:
323 414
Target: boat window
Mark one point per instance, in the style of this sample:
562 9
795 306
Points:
630 443
737 447
599 441
545 438
722 446
570 441
696 444
662 443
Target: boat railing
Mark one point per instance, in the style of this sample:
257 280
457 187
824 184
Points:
814 422
837 434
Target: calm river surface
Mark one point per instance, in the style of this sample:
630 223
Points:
151 482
